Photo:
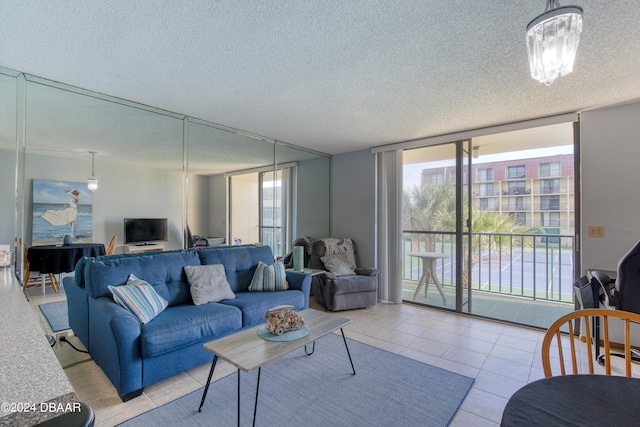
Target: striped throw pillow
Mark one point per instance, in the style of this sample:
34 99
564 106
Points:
269 278
139 298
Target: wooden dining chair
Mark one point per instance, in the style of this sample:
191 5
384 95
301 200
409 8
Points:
112 245
556 342
30 282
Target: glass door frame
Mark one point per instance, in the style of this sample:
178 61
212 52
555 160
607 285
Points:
464 226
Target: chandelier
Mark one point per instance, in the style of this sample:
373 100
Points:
552 41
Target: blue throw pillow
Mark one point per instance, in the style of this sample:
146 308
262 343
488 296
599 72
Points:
139 298
269 278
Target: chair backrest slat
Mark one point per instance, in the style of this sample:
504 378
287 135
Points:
604 333
607 347
590 350
574 361
627 346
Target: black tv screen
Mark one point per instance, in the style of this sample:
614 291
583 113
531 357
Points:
143 230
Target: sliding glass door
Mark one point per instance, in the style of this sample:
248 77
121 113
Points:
523 213
276 209
261 204
434 181
488 225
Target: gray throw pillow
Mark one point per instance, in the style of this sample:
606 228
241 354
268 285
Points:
208 283
337 264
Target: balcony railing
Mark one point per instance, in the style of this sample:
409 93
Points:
518 207
516 191
549 189
533 266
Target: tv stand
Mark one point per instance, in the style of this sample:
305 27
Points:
143 247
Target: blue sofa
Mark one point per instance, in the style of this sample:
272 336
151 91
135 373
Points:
134 355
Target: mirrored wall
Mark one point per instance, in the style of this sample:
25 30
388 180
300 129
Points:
223 184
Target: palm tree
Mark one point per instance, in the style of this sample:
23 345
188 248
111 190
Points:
432 207
425 205
488 230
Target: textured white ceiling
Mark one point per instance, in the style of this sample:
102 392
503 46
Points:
333 75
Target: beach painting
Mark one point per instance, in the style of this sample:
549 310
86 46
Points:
61 208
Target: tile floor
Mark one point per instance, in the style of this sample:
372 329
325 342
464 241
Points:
501 358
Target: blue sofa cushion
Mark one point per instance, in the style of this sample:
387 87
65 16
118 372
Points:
78 274
184 325
164 271
239 262
254 304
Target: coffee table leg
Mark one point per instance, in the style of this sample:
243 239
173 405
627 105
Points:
206 388
255 406
348 353
312 349
238 397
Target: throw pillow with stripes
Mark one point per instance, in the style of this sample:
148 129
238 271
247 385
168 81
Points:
139 298
269 278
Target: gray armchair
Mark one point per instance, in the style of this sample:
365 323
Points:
343 285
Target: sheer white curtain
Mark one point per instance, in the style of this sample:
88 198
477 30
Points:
389 233
286 224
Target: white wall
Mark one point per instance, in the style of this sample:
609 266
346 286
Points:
353 201
124 191
313 199
217 206
198 205
610 150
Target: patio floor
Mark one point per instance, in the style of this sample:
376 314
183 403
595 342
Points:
524 311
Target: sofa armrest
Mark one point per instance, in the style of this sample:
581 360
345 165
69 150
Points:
115 344
301 282
78 309
367 271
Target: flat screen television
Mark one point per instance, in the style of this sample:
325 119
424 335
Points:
145 230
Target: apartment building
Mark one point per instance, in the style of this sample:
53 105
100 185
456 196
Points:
537 192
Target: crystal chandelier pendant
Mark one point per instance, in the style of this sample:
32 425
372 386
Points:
552 41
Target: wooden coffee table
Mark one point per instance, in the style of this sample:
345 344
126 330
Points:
247 351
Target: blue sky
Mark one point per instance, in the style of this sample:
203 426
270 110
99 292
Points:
45 191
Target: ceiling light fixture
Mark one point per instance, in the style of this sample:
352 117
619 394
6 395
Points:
552 41
92 183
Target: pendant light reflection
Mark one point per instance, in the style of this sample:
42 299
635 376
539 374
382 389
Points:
92 183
